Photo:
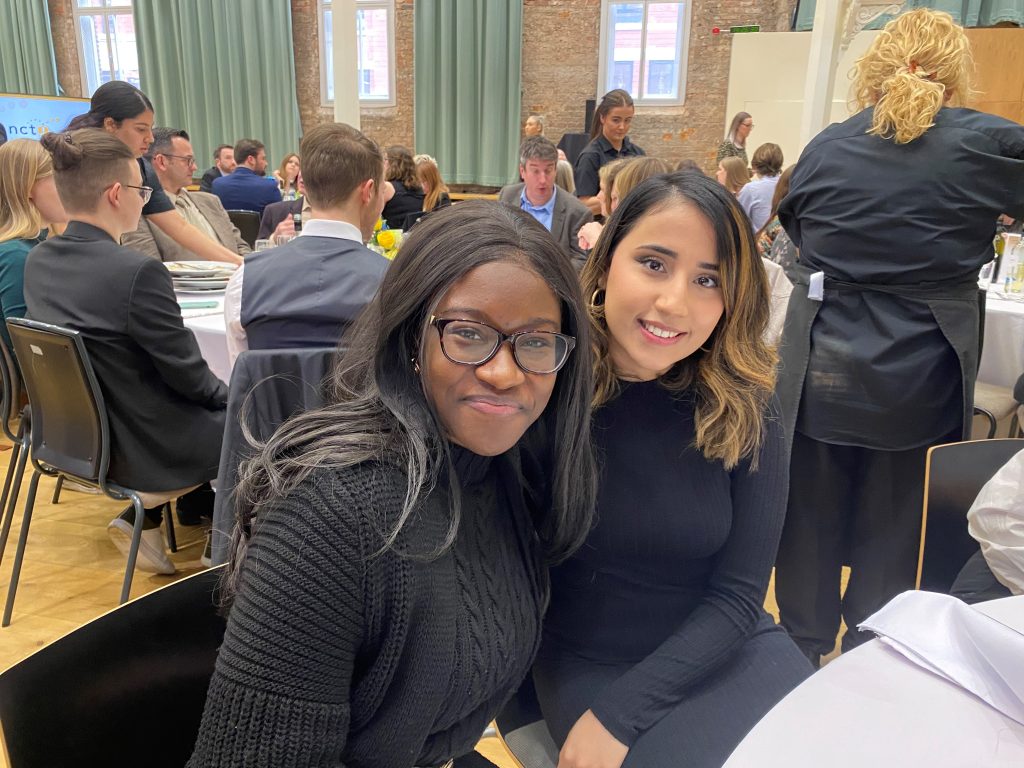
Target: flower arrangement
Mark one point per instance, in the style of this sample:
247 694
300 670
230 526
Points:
385 241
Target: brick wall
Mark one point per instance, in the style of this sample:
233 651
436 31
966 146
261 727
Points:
62 28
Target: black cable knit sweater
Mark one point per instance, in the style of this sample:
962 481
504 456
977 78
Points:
336 656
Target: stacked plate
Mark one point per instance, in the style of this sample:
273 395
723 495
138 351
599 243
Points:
199 276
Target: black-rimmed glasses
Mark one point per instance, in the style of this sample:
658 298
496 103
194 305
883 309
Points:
144 192
469 342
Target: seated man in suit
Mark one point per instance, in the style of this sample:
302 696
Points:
305 293
164 406
561 213
279 218
223 164
247 188
173 160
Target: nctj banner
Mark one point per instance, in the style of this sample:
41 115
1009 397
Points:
29 117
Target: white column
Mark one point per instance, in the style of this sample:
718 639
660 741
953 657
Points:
826 37
345 62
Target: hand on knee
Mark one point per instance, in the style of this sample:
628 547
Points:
590 745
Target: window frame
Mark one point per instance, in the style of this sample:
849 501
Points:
389 6
606 68
108 9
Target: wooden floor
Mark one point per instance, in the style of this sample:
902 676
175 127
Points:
72 573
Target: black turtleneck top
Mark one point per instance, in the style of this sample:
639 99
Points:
339 654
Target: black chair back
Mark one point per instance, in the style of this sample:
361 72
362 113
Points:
69 422
954 475
126 689
11 380
248 223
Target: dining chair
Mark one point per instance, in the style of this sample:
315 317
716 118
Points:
995 404
126 689
11 385
954 475
248 223
69 434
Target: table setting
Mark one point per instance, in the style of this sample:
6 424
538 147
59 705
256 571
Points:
199 287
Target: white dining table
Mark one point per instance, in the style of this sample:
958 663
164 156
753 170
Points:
208 326
1002 356
874 707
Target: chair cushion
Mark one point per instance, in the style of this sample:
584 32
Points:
996 400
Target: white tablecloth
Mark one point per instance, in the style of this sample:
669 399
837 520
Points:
874 707
207 324
1002 357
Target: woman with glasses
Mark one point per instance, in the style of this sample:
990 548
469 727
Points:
124 111
388 578
735 144
164 406
657 649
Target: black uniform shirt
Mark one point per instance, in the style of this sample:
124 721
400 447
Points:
596 154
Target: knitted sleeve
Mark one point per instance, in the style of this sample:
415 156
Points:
280 694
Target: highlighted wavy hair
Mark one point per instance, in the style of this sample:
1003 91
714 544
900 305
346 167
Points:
733 376
920 61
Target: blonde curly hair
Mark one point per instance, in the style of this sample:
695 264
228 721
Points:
920 61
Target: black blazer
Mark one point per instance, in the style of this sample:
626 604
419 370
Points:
166 409
206 185
275 213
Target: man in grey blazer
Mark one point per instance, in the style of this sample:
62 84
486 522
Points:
174 162
561 213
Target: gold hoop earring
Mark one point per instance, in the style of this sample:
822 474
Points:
593 299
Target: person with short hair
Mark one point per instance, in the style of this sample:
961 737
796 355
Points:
756 195
735 143
389 575
309 290
608 141
164 406
534 126
173 159
247 188
223 164
559 212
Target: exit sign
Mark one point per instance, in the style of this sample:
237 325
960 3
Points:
747 28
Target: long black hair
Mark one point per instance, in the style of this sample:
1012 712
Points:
377 411
117 100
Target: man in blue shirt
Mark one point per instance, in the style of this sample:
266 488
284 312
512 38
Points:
247 188
560 212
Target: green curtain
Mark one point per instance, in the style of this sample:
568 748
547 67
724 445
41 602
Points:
221 69
26 49
969 13
468 78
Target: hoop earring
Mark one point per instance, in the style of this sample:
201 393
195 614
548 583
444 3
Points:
593 299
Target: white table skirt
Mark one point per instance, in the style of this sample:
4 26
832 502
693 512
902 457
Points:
873 707
1002 357
210 330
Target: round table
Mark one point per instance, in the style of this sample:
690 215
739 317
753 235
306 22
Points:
1002 357
208 326
874 707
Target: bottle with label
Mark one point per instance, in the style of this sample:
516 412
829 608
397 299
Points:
297 221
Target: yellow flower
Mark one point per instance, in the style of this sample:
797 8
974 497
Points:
386 239
379 225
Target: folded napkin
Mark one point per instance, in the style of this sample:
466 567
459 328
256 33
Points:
953 640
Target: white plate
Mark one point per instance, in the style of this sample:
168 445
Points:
201 288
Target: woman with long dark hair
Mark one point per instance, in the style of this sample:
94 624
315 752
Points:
608 142
389 597
121 109
657 649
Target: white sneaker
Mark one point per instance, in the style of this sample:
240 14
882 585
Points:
152 557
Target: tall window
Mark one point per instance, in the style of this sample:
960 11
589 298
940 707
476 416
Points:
643 49
105 31
375 30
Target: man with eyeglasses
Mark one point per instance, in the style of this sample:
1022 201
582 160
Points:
174 162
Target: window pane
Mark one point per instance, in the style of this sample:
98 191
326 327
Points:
90 3
374 62
625 27
664 33
108 49
328 53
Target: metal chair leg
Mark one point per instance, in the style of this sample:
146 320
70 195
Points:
19 555
991 420
172 542
12 500
56 489
133 551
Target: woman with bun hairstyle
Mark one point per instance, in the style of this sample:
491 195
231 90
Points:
657 649
30 206
894 212
121 109
608 141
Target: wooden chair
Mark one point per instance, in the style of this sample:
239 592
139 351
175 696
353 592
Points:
248 223
954 475
126 689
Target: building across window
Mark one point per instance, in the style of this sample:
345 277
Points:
105 34
643 49
375 31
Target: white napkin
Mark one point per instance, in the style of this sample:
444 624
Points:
949 638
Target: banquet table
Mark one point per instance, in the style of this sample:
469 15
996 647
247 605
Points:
1002 357
874 707
208 326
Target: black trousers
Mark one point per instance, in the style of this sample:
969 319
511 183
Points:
852 506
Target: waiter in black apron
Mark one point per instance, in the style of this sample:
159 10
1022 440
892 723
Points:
894 213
